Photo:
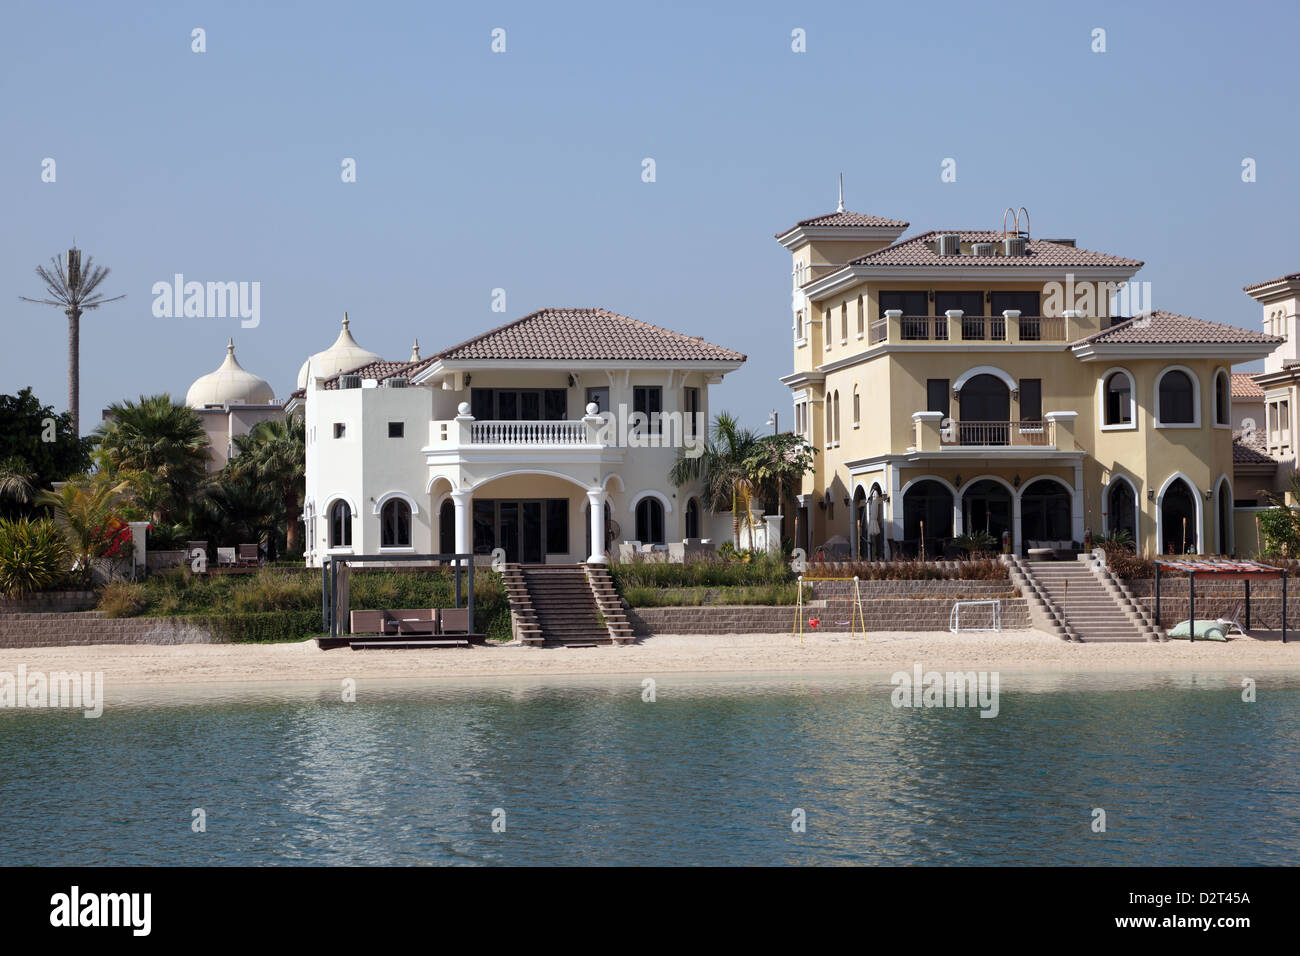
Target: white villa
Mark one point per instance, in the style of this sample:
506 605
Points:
549 437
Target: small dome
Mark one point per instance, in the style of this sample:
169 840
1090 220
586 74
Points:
344 354
230 384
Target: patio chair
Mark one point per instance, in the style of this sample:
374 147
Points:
248 555
453 620
1230 623
192 546
226 556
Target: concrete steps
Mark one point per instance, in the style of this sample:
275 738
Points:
571 604
1081 601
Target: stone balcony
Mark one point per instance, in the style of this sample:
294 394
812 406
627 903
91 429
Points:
954 327
935 433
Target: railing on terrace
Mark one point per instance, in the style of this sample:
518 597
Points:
879 331
979 328
1042 328
923 328
528 433
999 433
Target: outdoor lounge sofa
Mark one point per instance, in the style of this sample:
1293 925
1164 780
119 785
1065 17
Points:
402 622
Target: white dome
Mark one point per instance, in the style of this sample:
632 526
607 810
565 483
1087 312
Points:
230 384
344 354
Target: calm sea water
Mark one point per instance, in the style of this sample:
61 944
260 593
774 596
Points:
587 773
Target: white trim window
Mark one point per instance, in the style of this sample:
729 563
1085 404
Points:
1222 399
1118 400
1178 398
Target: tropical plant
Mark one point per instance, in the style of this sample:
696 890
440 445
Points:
975 542
33 556
1118 540
160 438
87 511
37 447
235 508
721 468
1279 526
72 286
275 454
778 463
17 480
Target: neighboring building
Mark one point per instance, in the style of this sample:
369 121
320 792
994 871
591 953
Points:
1278 299
229 401
505 440
977 380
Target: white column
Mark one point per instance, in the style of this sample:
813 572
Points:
1077 504
461 501
596 501
1017 524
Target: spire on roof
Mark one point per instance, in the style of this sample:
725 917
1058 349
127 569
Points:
230 347
415 351
345 320
840 207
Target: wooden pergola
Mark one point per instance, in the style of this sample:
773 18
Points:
1222 570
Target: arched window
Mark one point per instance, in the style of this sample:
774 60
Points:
1045 511
1222 399
857 406
395 524
1176 398
650 521
1178 524
927 518
340 525
447 528
798 324
693 518
830 427
844 320
1121 504
837 416
1117 399
862 321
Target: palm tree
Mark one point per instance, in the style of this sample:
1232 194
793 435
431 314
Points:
722 469
158 436
83 506
17 480
71 287
779 462
275 454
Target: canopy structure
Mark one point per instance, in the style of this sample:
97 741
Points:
1222 570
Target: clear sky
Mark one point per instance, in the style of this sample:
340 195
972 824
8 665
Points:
523 170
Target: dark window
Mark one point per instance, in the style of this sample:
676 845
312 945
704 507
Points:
395 524
1222 399
693 518
649 401
555 405
485 522
340 525
1119 398
1031 399
937 395
911 303
447 528
690 408
1026 303
396 429
557 525
514 404
481 404
600 397
650 521
971 303
340 429
507 407
1176 399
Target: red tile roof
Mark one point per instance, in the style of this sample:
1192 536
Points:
846 220
1170 328
586 334
1252 452
1244 386
379 371
1294 276
922 251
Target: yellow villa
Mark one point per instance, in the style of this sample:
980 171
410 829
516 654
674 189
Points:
988 381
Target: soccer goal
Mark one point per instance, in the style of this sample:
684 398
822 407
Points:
829 605
975 616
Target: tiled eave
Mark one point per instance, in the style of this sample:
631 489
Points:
850 276
1229 352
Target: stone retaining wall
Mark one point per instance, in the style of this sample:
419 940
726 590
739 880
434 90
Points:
91 627
47 601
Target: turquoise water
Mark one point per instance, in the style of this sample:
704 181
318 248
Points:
588 773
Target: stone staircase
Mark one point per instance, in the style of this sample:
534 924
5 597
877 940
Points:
1080 601
572 605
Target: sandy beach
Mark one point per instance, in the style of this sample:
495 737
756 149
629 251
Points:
1016 651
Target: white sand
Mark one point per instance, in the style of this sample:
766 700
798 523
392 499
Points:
1014 651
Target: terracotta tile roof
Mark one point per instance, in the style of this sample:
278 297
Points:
1250 452
921 250
1245 387
1170 328
1294 276
586 334
846 220
379 371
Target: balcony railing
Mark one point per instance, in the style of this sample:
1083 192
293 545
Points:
879 331
528 433
1042 328
979 328
923 328
999 433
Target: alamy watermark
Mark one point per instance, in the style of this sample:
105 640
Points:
210 300
79 690
952 689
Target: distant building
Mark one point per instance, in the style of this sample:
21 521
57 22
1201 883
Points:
229 401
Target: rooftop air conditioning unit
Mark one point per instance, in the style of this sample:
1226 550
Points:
397 381
950 244
1014 245
984 249
349 381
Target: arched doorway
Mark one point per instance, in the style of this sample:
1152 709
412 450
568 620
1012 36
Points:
1223 509
984 399
693 518
1178 519
1045 512
927 518
650 521
447 528
862 542
1121 509
986 506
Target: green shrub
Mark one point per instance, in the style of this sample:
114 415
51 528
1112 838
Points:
1127 566
978 569
266 627
713 571
123 598
34 556
769 595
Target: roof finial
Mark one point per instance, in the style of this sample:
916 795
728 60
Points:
345 320
840 207
230 347
415 351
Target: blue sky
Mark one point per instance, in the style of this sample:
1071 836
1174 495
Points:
522 170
